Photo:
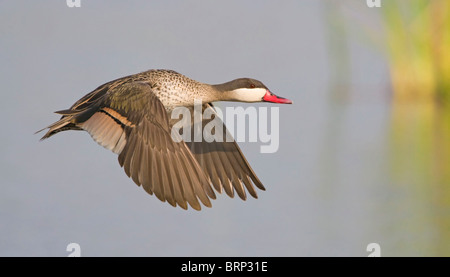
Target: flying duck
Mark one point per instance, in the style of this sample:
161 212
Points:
131 117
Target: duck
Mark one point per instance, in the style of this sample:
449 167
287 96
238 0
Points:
131 117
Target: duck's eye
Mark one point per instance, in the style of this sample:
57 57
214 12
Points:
252 85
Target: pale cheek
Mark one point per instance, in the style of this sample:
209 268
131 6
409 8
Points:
249 95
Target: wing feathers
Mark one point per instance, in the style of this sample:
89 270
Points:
105 131
225 164
177 181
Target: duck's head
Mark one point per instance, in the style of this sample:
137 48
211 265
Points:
249 90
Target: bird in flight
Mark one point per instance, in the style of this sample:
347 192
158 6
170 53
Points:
131 117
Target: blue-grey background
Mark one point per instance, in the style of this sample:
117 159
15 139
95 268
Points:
329 188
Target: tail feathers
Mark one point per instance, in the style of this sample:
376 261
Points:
63 124
69 112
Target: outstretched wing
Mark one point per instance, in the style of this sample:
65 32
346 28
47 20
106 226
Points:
223 162
131 121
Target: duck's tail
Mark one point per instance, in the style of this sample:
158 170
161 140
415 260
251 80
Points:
66 122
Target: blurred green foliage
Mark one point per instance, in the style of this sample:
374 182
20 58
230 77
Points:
418 42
